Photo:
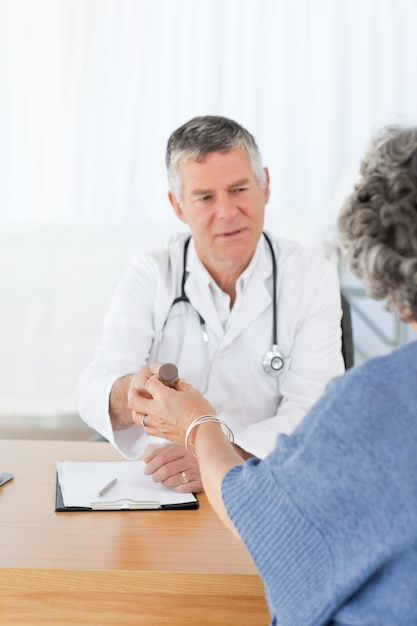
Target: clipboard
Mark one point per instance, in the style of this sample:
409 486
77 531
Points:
170 497
121 505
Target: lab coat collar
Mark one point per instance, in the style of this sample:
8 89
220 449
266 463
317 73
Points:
255 296
198 291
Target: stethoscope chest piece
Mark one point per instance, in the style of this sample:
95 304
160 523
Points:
273 362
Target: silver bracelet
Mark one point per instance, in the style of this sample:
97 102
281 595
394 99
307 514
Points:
202 420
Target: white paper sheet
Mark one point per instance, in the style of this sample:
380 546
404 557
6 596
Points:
81 482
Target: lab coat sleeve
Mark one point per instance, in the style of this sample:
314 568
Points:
314 357
124 348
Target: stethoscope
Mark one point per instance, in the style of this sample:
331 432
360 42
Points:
273 361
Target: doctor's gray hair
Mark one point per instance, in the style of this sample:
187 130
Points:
378 222
203 135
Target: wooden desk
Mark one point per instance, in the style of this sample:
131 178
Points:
129 567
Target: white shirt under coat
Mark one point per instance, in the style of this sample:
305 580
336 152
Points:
256 406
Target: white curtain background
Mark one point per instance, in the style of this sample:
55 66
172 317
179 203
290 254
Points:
91 89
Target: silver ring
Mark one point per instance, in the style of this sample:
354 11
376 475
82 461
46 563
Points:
143 421
184 478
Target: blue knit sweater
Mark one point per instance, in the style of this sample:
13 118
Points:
330 517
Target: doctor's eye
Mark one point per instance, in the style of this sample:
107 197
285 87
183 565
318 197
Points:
206 198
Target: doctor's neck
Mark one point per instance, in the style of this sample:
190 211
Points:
226 277
226 263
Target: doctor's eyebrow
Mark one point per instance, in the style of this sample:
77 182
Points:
208 192
201 192
244 182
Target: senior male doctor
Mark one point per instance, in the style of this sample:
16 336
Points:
253 321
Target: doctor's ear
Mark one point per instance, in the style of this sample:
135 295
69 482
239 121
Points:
266 188
176 206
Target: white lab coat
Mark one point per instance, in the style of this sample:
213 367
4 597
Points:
256 406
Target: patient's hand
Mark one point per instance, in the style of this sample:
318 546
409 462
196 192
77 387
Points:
169 411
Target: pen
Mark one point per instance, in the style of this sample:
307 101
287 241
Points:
107 487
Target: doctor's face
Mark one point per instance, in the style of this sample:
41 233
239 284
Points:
224 206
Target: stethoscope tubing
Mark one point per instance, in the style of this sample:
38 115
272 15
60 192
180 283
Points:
273 361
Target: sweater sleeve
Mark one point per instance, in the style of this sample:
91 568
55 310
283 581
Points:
290 554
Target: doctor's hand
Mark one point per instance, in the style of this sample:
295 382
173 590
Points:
168 412
174 467
137 388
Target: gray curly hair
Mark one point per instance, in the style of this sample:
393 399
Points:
377 225
203 135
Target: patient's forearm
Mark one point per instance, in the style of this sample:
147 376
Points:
120 414
216 456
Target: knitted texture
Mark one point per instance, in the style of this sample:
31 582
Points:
330 516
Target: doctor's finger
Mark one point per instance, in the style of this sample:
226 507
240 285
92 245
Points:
139 379
135 399
174 457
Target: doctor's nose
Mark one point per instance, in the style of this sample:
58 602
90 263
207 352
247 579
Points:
226 208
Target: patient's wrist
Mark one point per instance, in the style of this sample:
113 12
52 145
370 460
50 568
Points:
196 423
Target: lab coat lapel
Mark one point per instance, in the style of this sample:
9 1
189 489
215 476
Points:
255 299
198 293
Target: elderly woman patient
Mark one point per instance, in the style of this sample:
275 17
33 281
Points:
330 516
